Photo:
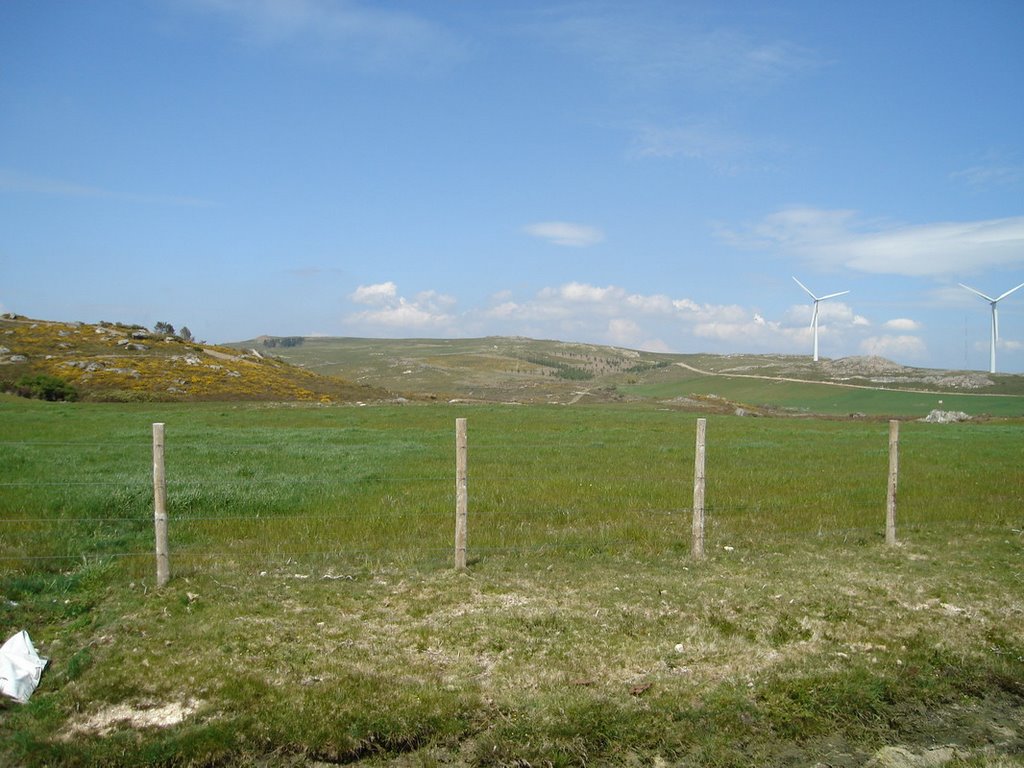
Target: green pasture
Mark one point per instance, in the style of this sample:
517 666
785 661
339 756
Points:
823 398
314 616
247 481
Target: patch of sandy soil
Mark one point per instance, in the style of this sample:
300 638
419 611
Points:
136 716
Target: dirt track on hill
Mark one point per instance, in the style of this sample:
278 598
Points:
840 383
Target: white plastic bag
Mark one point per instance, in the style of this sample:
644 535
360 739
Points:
20 667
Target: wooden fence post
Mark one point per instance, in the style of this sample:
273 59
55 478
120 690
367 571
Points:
894 472
461 495
698 492
163 569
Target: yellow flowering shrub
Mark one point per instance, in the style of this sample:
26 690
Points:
122 362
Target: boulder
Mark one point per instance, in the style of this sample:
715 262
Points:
85 365
946 417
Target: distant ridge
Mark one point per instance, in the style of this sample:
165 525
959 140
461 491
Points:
122 363
523 370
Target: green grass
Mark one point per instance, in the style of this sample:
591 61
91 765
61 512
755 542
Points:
827 399
313 613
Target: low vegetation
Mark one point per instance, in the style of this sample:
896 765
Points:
116 362
531 371
314 617
121 362
41 387
560 369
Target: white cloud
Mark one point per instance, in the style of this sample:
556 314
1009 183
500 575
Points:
610 314
40 185
838 238
369 36
435 300
834 312
736 329
505 309
995 169
984 345
692 140
669 53
391 312
375 294
565 233
903 324
590 293
624 332
404 314
653 304
686 304
990 175
719 147
20 182
901 346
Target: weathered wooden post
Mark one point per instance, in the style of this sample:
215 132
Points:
461 495
698 492
894 472
163 569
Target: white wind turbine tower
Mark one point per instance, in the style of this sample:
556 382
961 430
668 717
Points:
814 317
995 320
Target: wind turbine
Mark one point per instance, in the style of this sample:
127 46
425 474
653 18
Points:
995 320
814 317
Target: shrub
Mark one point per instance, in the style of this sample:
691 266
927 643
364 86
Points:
43 387
284 341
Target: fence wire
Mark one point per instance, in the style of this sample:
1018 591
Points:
353 497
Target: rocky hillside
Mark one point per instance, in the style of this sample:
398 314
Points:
491 369
863 370
119 362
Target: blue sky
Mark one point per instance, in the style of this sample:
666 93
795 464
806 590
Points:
644 174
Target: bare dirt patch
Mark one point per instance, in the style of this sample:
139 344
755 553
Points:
135 716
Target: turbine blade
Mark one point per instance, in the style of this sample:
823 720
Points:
995 322
814 315
1009 292
979 293
833 295
806 289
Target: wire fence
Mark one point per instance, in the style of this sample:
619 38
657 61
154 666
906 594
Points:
394 498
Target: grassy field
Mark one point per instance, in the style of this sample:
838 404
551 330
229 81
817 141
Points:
314 617
821 398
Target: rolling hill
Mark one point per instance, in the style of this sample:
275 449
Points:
122 362
520 370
